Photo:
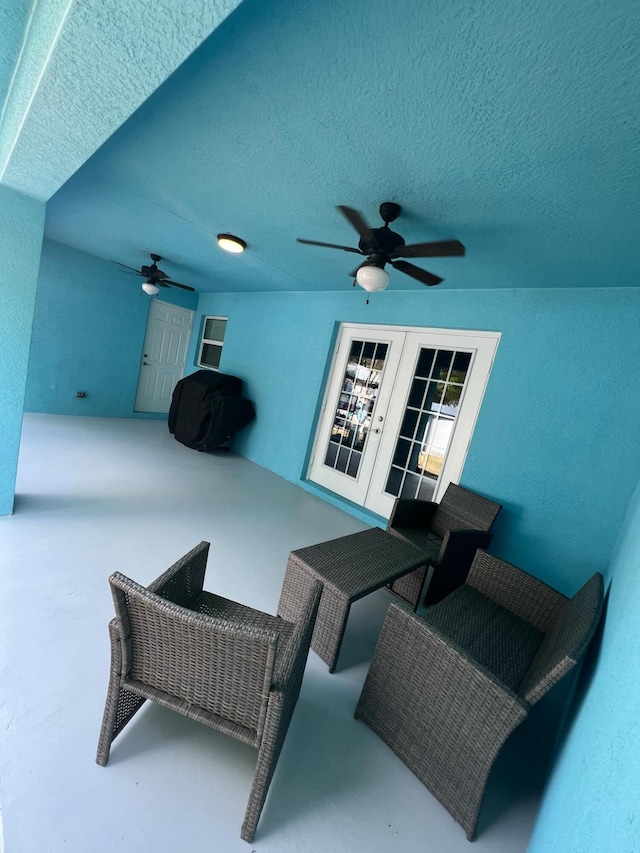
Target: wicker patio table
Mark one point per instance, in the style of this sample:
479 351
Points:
349 568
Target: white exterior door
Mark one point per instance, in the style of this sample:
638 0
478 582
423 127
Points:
355 406
399 412
163 355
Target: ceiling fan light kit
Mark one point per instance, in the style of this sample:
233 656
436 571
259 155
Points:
231 244
372 278
383 246
154 278
150 288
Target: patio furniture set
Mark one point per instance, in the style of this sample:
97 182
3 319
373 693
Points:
445 688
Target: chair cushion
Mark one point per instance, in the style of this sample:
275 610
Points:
493 636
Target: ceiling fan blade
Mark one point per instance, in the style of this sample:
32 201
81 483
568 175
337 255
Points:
417 273
441 249
130 269
355 218
328 245
166 282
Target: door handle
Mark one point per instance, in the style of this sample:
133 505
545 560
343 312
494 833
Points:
145 363
377 430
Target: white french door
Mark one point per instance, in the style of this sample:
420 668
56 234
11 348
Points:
355 405
399 412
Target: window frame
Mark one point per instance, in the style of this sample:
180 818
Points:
211 341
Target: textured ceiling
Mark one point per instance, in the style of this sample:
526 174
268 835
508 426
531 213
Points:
513 127
83 67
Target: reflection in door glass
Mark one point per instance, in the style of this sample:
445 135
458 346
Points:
427 425
352 418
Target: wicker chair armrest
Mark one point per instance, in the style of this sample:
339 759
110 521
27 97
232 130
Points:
184 580
529 598
440 711
435 664
410 512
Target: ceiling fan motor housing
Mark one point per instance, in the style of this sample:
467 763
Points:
383 241
390 211
152 272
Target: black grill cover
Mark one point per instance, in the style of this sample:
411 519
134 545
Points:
207 409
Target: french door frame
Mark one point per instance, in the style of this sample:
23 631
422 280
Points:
405 343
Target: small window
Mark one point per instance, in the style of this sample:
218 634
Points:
213 329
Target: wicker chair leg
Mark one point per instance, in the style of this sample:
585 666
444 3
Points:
120 705
275 729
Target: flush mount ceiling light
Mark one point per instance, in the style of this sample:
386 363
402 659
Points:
150 288
231 244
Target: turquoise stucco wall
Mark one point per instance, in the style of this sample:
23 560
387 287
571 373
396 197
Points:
591 804
88 330
556 441
21 228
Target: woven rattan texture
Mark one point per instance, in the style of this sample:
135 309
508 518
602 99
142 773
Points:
282 703
184 580
195 712
221 667
120 704
333 612
436 690
565 640
231 611
349 568
521 593
494 637
360 563
443 716
409 587
461 510
228 666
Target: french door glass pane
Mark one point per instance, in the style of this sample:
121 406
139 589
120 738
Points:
427 425
352 418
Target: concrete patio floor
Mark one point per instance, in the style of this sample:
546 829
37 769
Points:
99 495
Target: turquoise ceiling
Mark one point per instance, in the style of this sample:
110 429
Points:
71 71
513 127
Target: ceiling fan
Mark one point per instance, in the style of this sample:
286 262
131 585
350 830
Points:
383 246
154 277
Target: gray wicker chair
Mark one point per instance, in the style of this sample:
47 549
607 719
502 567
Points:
450 532
446 690
228 666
